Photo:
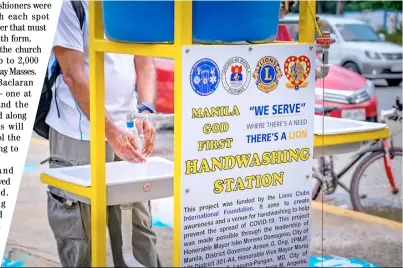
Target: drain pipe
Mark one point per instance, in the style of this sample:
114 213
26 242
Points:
127 234
324 67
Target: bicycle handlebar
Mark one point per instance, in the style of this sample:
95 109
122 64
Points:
388 114
394 114
398 105
325 110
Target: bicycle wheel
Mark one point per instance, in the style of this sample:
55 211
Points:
316 186
370 188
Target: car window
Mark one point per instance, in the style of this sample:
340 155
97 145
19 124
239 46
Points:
357 33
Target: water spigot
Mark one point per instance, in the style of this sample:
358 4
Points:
132 116
324 41
149 117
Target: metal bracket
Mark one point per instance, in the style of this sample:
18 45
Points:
323 41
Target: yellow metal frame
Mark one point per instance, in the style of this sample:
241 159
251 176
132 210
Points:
183 37
347 138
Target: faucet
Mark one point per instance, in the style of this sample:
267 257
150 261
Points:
132 116
150 117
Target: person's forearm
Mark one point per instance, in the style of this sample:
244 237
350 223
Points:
146 79
79 87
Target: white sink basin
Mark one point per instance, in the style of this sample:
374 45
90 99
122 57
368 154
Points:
126 182
325 126
118 172
333 126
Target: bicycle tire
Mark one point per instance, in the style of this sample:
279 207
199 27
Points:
356 178
317 187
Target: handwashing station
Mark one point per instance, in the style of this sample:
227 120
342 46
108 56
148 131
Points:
164 29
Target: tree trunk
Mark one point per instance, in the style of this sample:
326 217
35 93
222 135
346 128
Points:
340 7
318 7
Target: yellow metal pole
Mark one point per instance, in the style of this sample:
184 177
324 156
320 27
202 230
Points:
307 16
97 124
183 37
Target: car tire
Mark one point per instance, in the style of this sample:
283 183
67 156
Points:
352 67
394 82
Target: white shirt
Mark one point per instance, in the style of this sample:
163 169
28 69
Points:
120 79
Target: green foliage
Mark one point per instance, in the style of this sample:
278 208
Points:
326 7
329 7
373 5
322 7
395 37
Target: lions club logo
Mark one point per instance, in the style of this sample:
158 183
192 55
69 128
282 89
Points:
205 77
297 70
236 75
267 74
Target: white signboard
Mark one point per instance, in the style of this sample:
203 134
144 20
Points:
247 146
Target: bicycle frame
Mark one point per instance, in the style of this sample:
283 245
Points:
386 160
376 146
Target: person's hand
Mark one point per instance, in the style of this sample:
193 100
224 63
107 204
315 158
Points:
147 131
124 145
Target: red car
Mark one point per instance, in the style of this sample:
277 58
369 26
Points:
350 92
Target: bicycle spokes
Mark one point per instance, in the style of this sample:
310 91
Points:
377 183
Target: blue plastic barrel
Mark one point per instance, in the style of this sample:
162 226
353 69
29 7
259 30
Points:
213 21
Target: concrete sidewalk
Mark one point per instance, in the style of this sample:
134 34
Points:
336 231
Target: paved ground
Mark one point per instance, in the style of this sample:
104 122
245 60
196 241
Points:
386 98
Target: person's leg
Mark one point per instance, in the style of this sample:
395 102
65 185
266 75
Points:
144 239
69 222
69 219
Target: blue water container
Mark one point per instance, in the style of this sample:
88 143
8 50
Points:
213 21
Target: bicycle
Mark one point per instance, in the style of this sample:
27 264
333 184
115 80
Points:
327 179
